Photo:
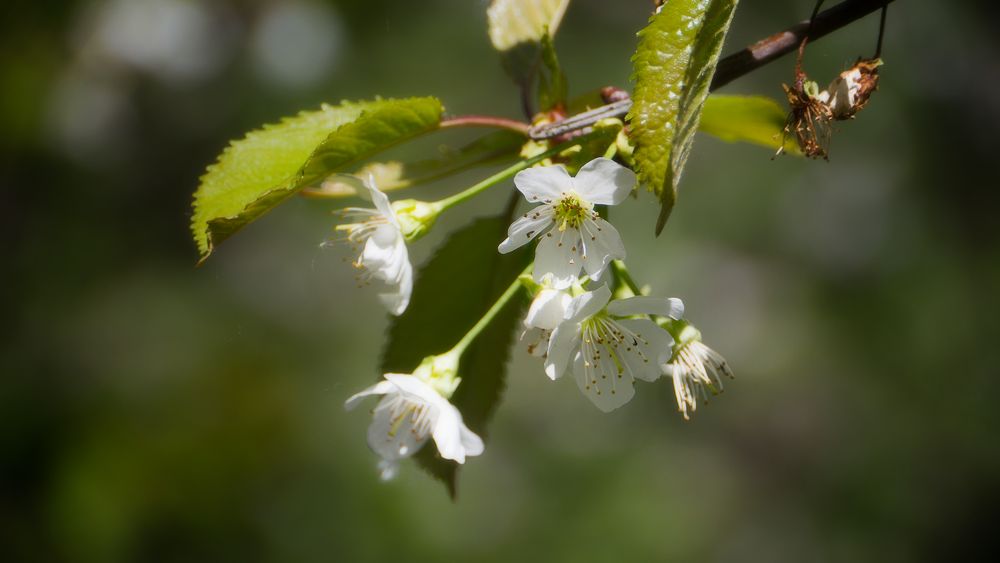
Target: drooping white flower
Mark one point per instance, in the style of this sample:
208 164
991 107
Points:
411 411
605 352
545 313
695 368
574 236
377 236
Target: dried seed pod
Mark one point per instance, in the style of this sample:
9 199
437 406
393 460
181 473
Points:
812 112
849 93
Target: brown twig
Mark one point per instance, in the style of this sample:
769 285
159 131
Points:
784 42
743 62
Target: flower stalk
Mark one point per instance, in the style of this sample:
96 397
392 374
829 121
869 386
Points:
624 277
505 174
491 314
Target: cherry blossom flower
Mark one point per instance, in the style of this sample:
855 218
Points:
605 352
381 244
412 410
574 236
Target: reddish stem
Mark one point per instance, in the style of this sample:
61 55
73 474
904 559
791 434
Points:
486 121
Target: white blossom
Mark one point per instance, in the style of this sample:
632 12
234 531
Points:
574 236
411 411
381 244
607 353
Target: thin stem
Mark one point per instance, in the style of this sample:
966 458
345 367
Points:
485 121
611 152
623 275
484 322
504 174
881 31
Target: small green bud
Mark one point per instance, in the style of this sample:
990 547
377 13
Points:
415 217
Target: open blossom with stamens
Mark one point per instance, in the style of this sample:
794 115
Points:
695 368
376 234
574 236
606 352
411 411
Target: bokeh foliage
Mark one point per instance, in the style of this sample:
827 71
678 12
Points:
155 412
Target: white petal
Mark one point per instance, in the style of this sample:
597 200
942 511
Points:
447 435
415 387
526 227
643 305
558 255
471 441
547 309
396 301
384 253
543 183
391 265
380 388
563 343
393 439
380 200
588 304
640 356
537 340
602 383
604 181
601 244
452 436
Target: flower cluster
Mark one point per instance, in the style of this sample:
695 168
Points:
606 344
607 339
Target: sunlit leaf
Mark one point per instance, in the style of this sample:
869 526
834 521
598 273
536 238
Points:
452 292
748 119
672 69
256 173
513 22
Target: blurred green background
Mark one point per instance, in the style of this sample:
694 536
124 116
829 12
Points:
152 411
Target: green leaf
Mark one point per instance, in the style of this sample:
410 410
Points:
750 119
268 165
493 148
673 67
452 292
516 28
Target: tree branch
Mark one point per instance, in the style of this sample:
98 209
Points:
766 50
735 65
